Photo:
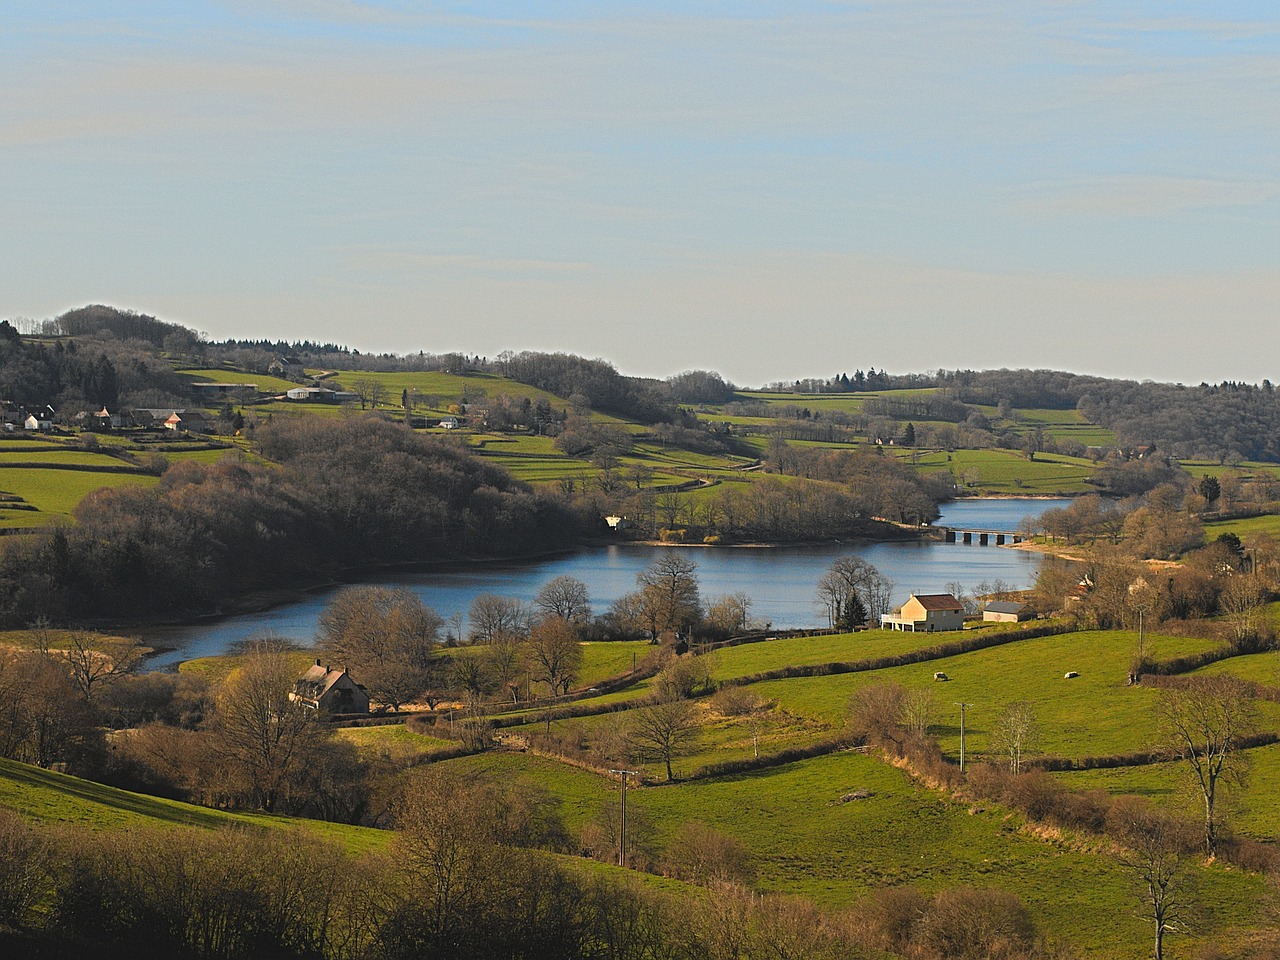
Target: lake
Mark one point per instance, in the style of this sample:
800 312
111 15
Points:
781 581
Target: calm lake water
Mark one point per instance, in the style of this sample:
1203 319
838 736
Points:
781 581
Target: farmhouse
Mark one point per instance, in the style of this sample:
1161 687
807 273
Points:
312 394
925 613
184 420
329 691
1005 611
291 368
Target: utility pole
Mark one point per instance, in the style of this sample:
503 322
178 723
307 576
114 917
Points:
962 706
622 832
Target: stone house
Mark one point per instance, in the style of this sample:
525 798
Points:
329 691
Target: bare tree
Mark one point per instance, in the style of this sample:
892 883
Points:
385 637
565 597
493 616
918 711
663 729
1016 733
853 592
1154 852
96 660
875 712
554 654
669 597
1243 601
263 735
731 614
1203 723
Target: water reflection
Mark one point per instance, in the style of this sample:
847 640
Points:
780 580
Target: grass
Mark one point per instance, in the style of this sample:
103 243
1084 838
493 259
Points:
1250 811
803 841
1010 472
392 741
55 493
265 382
48 797
1089 715
1245 528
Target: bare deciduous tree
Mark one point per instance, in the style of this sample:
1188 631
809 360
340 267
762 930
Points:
565 597
554 654
262 734
385 637
1203 723
1243 601
1155 854
664 728
669 595
494 617
96 660
853 592
1016 733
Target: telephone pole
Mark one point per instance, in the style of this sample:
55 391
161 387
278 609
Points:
622 832
962 706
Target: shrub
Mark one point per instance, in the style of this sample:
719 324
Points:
23 877
972 924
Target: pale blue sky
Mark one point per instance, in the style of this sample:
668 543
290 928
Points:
771 190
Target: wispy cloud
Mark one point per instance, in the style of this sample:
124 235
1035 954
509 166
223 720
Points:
1113 197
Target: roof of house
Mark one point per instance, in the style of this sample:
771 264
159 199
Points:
317 681
938 601
1005 606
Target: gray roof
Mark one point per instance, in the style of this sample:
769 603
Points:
1005 606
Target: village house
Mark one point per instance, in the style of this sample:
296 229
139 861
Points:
926 613
189 421
329 691
290 368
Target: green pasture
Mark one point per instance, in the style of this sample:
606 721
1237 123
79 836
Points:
749 658
393 741
1245 528
216 669
67 457
1010 472
55 493
48 797
1261 668
289 408
1085 716
448 387
1249 809
544 469
804 840
604 659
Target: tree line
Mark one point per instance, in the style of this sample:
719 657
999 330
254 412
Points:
344 494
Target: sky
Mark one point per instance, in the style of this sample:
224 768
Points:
769 190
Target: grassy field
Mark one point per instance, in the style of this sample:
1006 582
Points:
1010 472
1245 528
55 493
45 796
803 840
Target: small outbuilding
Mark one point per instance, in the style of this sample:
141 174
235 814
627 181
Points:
329 691
1006 611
